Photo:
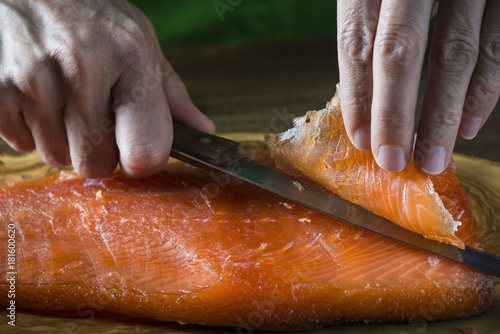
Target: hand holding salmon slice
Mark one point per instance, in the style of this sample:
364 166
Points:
319 148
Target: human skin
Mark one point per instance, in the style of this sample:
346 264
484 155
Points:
381 48
85 82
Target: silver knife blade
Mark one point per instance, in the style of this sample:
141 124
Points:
217 153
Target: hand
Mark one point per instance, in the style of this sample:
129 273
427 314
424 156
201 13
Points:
381 47
86 83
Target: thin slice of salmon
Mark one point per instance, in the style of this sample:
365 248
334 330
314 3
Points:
181 247
319 148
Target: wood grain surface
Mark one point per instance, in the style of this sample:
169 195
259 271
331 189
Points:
479 178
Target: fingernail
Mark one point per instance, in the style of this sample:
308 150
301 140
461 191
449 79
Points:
391 158
433 160
362 138
470 127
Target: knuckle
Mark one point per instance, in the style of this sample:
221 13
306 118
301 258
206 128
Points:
56 159
453 54
72 64
91 172
392 128
67 51
89 167
481 93
69 60
449 119
399 48
172 80
358 105
134 46
490 49
355 43
391 120
441 123
144 157
21 81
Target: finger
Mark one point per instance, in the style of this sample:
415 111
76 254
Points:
90 127
484 87
435 8
43 109
452 60
181 106
143 122
397 63
357 24
18 60
13 128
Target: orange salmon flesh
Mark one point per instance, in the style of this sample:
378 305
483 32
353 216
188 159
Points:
187 247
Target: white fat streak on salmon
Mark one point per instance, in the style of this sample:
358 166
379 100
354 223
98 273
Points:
287 205
359 252
206 199
67 175
171 280
298 185
446 217
109 277
133 238
375 267
305 260
434 260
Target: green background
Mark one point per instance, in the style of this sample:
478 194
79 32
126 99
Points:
180 23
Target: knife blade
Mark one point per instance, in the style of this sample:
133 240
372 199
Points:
227 156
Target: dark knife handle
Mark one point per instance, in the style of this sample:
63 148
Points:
217 151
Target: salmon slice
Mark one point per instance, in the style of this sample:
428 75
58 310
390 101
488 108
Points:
180 247
319 148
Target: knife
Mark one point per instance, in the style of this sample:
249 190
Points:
221 154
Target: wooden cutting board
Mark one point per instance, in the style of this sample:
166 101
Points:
479 178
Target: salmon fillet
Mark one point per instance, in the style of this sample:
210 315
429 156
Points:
319 148
180 246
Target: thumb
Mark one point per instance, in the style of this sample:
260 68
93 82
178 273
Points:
181 107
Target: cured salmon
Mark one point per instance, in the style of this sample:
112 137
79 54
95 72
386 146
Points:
319 148
190 247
